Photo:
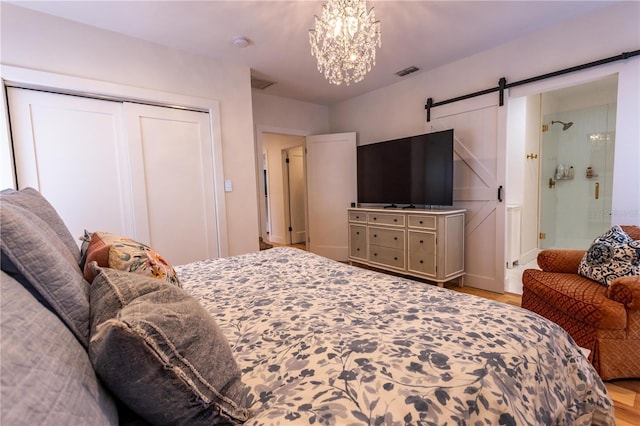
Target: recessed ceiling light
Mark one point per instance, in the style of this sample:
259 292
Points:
241 42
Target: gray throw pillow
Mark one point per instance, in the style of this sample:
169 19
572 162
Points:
33 201
47 377
161 353
34 255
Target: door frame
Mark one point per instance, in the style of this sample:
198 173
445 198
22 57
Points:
64 84
556 83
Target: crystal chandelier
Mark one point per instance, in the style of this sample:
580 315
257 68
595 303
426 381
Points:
344 40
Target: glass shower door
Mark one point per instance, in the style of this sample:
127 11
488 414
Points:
576 176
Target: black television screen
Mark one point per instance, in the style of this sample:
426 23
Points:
412 171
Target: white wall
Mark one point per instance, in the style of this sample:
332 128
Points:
42 42
398 110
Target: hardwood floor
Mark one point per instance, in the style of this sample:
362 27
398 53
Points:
625 393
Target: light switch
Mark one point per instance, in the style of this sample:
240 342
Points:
228 186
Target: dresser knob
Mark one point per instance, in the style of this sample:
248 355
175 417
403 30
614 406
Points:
422 261
375 235
421 222
395 258
421 242
395 220
357 233
395 238
375 254
375 218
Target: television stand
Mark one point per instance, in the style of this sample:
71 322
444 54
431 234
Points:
409 207
428 244
391 206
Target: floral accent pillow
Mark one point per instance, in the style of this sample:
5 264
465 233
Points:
612 255
124 254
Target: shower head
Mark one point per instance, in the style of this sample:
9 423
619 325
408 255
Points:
565 126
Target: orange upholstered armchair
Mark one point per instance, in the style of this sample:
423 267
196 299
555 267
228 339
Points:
605 320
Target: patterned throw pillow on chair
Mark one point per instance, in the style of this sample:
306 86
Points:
613 254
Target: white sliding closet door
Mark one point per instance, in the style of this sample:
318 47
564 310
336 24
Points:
173 181
141 171
73 150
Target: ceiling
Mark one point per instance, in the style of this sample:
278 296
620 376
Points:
425 34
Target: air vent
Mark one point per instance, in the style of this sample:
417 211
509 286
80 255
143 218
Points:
407 71
260 84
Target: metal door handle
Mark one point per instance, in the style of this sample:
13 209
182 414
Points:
597 190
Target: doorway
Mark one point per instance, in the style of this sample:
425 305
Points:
557 139
285 194
576 168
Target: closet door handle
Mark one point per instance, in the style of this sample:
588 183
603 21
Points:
597 190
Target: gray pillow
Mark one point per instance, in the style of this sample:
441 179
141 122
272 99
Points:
34 255
161 353
33 201
47 377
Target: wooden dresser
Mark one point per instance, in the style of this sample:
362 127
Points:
424 243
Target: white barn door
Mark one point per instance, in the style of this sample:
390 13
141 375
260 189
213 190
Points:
479 177
331 188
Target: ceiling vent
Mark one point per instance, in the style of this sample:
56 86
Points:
260 84
407 71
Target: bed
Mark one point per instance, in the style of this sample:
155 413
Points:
321 342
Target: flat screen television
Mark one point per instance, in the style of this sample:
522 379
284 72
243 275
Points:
407 172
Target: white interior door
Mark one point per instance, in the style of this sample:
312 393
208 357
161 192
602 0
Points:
173 183
479 174
331 188
296 186
73 150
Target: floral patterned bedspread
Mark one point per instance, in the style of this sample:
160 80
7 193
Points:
321 342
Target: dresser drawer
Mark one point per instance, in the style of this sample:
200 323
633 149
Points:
386 237
422 253
422 222
357 216
386 256
385 219
358 242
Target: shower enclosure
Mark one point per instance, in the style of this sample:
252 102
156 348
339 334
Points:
577 148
